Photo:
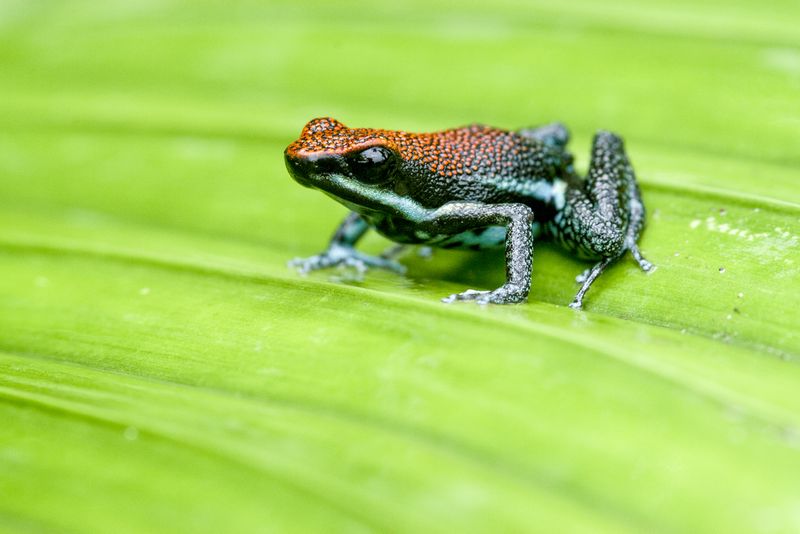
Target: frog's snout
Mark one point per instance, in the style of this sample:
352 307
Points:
308 170
298 169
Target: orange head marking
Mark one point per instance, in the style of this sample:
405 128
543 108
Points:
321 124
327 136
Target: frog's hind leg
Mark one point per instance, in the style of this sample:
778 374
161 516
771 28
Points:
643 263
394 251
554 134
602 215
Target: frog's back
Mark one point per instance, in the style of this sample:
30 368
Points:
482 164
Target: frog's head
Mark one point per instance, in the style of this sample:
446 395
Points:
356 166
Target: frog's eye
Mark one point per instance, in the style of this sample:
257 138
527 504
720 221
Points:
374 165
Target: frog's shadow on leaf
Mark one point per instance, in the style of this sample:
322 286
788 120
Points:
481 268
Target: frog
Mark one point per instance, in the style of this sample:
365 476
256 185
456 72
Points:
473 187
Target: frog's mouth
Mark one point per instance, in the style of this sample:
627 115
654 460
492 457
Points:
333 178
310 170
370 200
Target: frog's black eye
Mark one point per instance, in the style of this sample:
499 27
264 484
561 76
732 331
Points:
374 165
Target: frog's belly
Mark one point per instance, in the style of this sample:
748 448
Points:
402 231
479 239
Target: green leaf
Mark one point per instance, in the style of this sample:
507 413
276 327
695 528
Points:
162 369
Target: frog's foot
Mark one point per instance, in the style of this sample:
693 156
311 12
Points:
347 257
587 278
506 294
645 265
393 252
425 252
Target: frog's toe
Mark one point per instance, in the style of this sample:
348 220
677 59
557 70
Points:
469 294
345 257
581 278
306 265
645 265
356 263
362 263
379 262
508 294
294 263
394 251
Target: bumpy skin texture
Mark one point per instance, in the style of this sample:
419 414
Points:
472 187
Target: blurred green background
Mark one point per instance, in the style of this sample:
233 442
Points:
162 370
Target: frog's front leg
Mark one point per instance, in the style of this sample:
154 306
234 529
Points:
457 217
603 215
341 250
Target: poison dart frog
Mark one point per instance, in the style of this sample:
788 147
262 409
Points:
473 187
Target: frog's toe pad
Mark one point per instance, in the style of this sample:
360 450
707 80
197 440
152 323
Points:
646 266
